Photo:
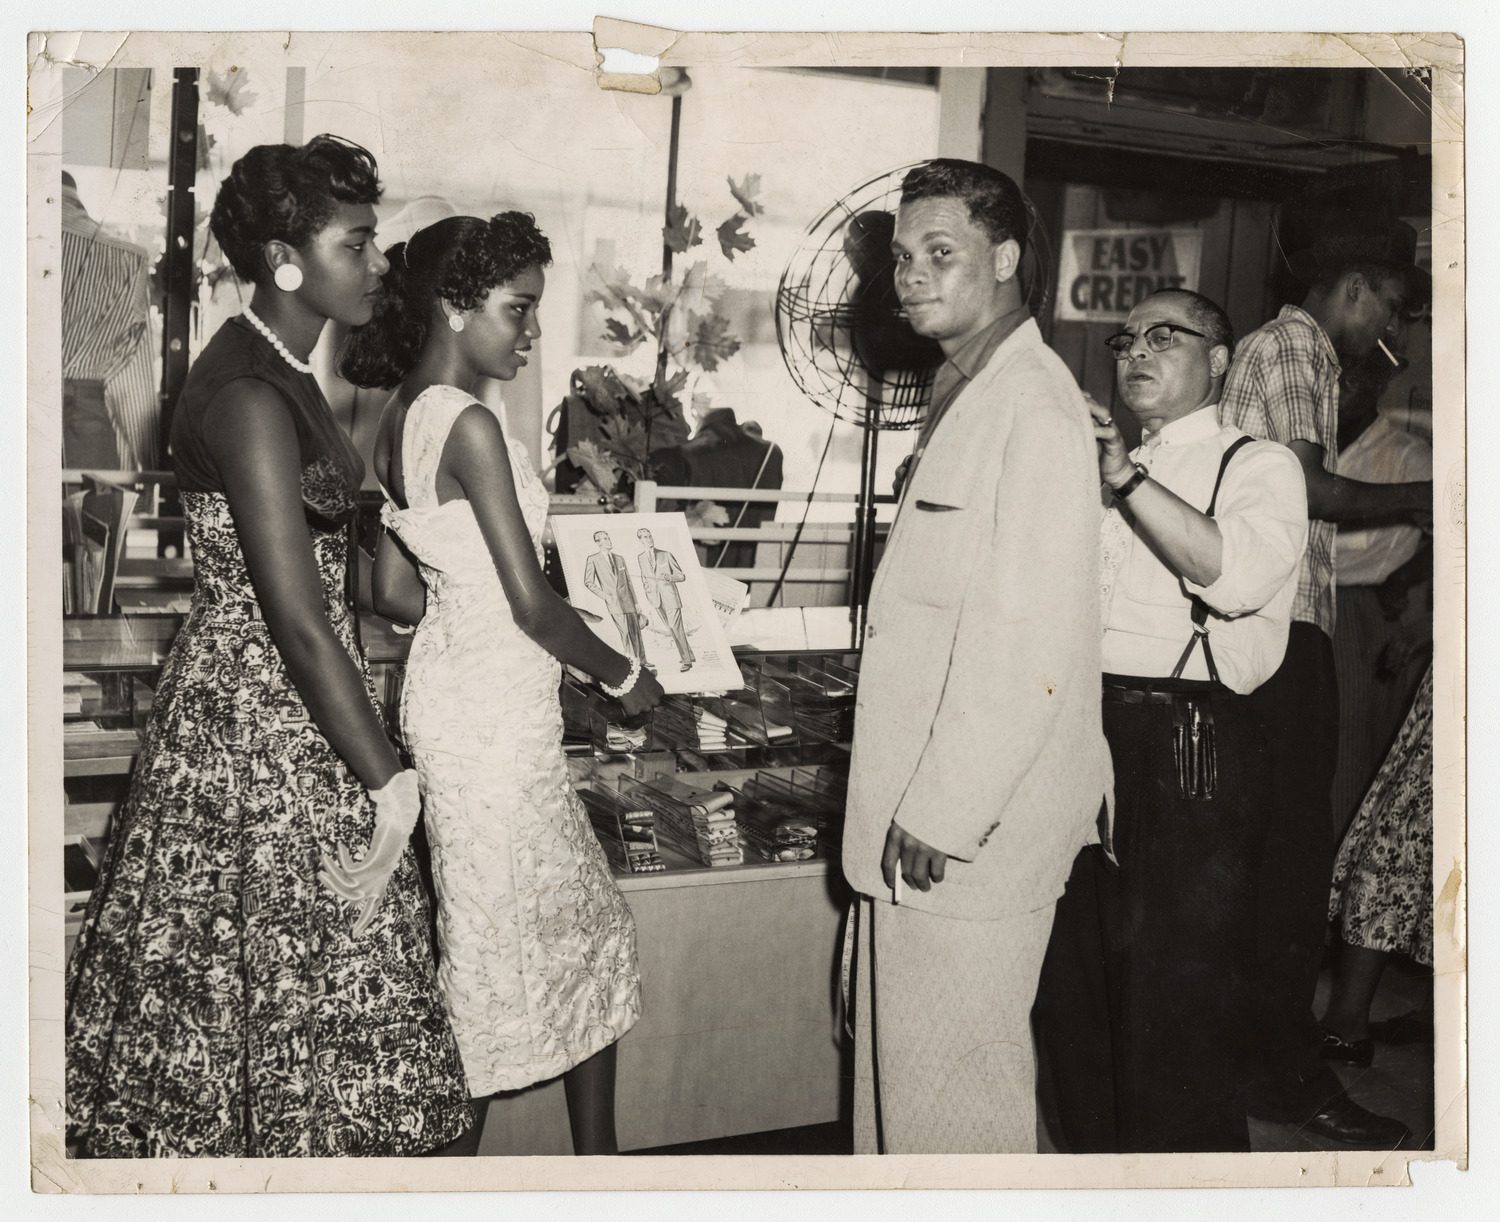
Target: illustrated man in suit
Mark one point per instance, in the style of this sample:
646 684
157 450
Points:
980 766
660 577
608 579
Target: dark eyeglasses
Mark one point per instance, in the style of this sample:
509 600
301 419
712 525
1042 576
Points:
1158 338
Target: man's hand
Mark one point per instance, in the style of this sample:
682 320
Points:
921 865
1115 467
898 482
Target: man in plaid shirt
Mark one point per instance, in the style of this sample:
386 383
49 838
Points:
1284 386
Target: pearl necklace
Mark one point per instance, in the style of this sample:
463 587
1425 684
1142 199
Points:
275 341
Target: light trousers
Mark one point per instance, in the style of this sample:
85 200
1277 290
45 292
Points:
943 1053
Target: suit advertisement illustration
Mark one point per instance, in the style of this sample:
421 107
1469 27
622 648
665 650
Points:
636 580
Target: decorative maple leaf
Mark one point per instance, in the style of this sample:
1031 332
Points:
617 332
745 192
681 230
658 293
731 239
700 290
594 463
227 89
608 287
631 386
626 440
712 343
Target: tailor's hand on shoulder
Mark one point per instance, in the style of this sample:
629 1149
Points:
1115 466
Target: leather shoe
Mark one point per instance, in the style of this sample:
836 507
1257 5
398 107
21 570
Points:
1335 1047
1344 1121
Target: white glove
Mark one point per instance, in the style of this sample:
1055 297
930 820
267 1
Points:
397 805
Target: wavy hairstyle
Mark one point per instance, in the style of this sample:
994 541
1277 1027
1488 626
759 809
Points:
458 259
279 192
994 202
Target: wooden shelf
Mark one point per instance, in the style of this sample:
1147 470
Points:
103 765
118 642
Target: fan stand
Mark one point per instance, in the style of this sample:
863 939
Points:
862 574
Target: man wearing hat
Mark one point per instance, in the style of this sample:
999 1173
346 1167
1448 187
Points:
1284 386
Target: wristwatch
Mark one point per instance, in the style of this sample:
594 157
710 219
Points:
1134 482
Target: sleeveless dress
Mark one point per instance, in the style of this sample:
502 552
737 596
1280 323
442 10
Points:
217 1001
537 962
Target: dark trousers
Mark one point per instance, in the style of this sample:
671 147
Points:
1300 706
1141 1018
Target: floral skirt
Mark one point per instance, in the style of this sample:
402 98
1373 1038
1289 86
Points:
1382 880
218 1003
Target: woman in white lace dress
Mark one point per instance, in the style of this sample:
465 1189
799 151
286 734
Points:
538 947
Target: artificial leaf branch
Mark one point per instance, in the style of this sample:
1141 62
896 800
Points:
626 419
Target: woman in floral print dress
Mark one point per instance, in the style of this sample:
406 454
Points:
241 985
1382 884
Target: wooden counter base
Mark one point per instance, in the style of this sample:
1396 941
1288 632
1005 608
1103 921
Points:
740 1027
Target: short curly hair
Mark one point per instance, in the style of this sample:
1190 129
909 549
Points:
279 192
458 259
994 201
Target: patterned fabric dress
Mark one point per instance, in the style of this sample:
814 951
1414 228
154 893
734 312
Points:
218 1004
538 960
1382 880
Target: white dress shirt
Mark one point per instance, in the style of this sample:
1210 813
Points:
1262 518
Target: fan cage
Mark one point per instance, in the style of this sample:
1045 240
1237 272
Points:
820 317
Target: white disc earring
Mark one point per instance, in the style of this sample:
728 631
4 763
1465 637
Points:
288 277
456 322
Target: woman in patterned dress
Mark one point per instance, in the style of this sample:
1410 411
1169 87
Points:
223 1000
538 962
1382 884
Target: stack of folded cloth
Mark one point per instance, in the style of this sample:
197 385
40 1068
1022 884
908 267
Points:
776 830
712 730
674 726
624 829
822 707
750 718
698 823
824 791
623 739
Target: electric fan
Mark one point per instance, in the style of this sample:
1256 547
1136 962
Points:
846 342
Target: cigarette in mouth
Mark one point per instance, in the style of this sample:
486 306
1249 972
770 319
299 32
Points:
1389 355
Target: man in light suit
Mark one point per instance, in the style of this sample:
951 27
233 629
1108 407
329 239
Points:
660 576
607 577
979 766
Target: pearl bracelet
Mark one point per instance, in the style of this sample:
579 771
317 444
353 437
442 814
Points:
629 681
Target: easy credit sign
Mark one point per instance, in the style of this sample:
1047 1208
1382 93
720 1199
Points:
1105 272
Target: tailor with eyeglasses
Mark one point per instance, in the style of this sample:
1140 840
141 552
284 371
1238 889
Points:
1141 1015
